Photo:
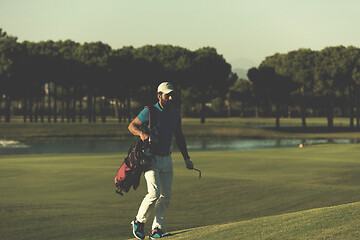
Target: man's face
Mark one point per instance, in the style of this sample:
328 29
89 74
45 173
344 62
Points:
165 100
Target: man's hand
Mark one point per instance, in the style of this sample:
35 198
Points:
144 136
189 164
134 129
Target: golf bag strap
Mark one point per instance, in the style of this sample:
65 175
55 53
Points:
152 116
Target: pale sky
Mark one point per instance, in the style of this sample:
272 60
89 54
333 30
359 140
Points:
243 31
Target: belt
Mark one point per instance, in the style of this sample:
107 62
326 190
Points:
162 154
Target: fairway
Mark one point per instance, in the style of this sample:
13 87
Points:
72 196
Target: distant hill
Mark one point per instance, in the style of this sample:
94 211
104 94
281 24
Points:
241 72
241 65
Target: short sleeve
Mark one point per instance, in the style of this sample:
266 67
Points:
144 115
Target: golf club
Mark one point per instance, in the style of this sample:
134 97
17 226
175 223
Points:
185 166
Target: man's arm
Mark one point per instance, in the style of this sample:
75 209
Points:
181 143
134 128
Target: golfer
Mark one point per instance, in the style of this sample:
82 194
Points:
159 177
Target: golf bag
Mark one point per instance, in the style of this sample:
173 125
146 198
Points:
138 159
128 174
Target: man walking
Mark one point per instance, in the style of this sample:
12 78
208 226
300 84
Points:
159 177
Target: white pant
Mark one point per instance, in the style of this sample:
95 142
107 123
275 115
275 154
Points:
159 181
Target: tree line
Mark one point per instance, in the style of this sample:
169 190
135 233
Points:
66 80
317 83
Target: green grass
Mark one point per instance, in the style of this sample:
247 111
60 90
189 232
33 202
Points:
214 128
71 196
46 131
337 222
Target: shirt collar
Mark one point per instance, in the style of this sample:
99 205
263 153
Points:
157 105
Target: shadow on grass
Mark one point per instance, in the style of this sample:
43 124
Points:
173 234
177 233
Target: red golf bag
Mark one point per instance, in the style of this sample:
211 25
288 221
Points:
137 161
129 173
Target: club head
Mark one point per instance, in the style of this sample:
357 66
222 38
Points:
198 171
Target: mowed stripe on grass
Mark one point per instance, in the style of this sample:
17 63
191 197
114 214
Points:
336 222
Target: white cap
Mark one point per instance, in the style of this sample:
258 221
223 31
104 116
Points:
165 87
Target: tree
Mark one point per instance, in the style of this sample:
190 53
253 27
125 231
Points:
94 56
217 105
328 75
348 79
299 67
243 92
121 67
2 69
211 77
10 70
271 87
356 77
68 82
